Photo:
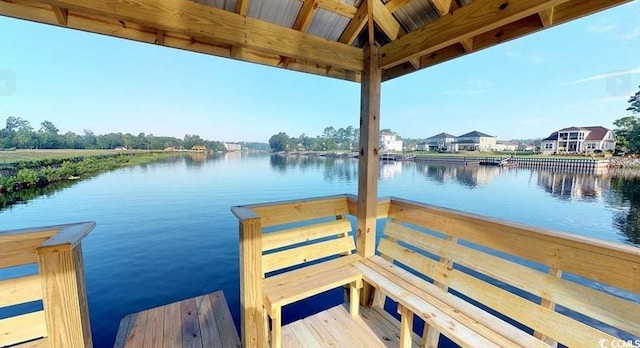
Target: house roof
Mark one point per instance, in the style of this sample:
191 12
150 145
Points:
323 37
441 136
596 133
476 134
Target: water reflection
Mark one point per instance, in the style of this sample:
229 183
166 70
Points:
580 186
625 192
467 176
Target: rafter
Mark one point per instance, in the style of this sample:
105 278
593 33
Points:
62 14
444 7
338 7
160 37
242 7
370 24
129 30
478 17
216 25
355 25
467 44
546 16
394 5
577 9
385 20
305 15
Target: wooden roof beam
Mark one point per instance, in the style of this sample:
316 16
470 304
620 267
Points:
62 14
579 8
477 17
394 5
338 7
546 16
385 20
444 7
211 24
160 37
242 7
356 24
38 12
303 20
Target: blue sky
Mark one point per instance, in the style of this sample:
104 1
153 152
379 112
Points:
581 73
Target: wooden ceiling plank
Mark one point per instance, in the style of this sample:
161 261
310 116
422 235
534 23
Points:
356 24
42 13
477 17
338 7
394 5
212 24
385 20
62 14
546 16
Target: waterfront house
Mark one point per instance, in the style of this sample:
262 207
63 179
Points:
473 141
390 142
502 145
232 147
199 148
439 141
368 43
574 140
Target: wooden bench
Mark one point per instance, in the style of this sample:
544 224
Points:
502 254
327 235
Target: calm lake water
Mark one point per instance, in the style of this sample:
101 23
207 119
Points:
165 231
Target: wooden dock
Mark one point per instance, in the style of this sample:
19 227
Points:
372 328
203 321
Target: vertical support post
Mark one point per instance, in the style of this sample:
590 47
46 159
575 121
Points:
368 161
65 296
546 303
253 323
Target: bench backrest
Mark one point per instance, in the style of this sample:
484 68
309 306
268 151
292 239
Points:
320 229
472 254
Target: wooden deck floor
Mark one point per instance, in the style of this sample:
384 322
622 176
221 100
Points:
336 328
203 321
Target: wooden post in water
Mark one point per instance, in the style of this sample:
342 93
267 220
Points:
253 324
368 160
63 288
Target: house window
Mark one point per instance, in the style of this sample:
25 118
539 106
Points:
548 146
591 146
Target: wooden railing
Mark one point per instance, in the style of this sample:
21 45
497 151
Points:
541 262
59 284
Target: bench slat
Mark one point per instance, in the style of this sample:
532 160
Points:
298 284
606 262
295 256
561 328
604 307
473 317
302 234
22 328
20 290
460 334
301 210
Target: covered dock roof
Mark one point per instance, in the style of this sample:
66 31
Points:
323 37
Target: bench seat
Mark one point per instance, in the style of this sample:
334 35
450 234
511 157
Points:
286 288
463 323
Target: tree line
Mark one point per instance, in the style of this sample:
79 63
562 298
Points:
331 139
628 127
19 134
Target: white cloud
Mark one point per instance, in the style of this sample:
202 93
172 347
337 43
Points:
630 35
601 27
611 74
